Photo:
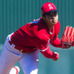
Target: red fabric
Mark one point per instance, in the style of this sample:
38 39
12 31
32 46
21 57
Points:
36 35
50 54
48 6
56 42
31 36
73 38
73 44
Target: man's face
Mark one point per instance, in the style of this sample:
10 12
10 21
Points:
52 18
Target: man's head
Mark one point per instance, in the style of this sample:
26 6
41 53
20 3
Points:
49 13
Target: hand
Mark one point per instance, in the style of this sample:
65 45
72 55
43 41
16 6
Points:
66 45
56 55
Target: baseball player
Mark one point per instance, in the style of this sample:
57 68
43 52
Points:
30 39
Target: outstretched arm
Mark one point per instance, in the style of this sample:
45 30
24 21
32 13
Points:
56 42
50 54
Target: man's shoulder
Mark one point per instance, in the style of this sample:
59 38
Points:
57 25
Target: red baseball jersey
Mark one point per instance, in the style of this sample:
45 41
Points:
36 35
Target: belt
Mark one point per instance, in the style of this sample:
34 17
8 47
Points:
21 50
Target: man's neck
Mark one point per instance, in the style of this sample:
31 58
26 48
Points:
49 26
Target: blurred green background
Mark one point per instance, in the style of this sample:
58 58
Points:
16 13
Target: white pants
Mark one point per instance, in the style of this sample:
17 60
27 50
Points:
9 56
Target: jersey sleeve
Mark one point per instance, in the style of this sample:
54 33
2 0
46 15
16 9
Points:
42 45
44 48
40 37
56 43
49 53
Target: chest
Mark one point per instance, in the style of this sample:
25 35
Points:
52 33
45 34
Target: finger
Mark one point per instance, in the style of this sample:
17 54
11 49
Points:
63 39
69 34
